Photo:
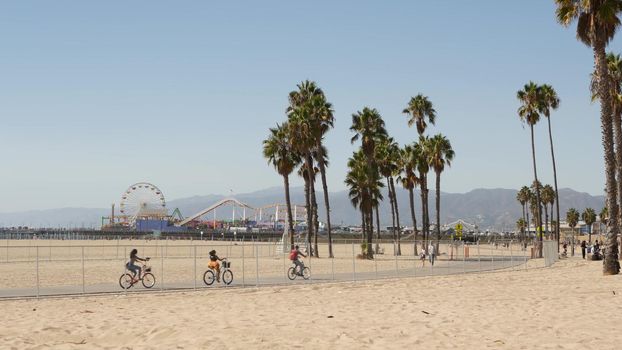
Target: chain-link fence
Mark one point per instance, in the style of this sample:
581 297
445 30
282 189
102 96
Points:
32 268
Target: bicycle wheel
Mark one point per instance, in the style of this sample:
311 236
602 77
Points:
125 281
209 277
291 273
306 273
148 280
227 277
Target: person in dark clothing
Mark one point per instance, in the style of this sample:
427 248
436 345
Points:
583 247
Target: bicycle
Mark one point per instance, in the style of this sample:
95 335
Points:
126 281
294 271
227 275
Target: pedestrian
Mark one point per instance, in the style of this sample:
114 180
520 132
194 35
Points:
422 257
431 253
583 247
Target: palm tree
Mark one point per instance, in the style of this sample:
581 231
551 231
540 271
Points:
418 110
550 101
522 196
364 184
548 197
589 216
314 114
529 113
368 126
387 158
409 179
597 21
603 217
520 224
277 148
572 218
421 112
441 154
421 152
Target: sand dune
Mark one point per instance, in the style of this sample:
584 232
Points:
563 307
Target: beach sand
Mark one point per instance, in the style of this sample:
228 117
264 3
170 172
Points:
566 306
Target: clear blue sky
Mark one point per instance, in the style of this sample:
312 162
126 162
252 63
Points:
95 96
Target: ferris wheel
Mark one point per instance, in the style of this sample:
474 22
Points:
143 200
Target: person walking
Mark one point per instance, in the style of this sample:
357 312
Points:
583 247
431 253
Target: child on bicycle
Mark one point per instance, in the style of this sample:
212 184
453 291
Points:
214 263
293 256
131 265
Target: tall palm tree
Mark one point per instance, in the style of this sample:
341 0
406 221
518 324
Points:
387 157
368 126
597 21
441 155
589 216
528 112
572 218
409 179
522 196
277 148
548 197
421 152
549 101
364 184
420 112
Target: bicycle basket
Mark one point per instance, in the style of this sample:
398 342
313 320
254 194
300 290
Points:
226 264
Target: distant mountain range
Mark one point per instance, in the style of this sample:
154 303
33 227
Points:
488 208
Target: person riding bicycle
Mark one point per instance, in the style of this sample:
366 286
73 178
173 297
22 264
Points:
293 256
214 263
131 266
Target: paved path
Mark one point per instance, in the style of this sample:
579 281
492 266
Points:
442 268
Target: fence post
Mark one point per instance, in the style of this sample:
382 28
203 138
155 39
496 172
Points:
162 267
243 273
511 256
195 266
353 263
83 288
395 255
492 255
479 257
464 248
256 266
332 265
37 270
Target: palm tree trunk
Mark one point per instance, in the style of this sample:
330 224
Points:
528 230
411 198
555 184
326 201
397 216
316 222
424 224
309 212
438 209
523 205
290 221
363 223
611 265
370 235
377 228
617 134
538 218
390 193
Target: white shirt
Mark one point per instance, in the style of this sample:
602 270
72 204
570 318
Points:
431 249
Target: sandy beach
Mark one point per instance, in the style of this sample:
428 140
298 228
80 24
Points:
562 307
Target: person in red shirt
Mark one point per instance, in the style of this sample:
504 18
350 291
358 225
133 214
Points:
293 256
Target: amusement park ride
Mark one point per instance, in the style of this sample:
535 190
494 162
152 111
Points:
143 208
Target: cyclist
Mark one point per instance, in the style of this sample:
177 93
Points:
293 256
131 266
214 263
